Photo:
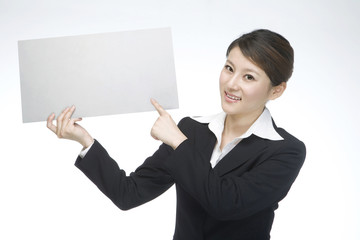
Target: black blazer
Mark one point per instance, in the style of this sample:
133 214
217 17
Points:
234 200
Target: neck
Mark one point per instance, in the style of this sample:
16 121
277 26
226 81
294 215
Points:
236 125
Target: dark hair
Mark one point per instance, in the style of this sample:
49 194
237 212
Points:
268 50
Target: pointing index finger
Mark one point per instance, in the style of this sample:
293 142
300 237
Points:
158 107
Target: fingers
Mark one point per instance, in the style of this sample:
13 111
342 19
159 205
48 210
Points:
50 124
153 135
74 120
59 122
158 107
64 119
67 118
67 127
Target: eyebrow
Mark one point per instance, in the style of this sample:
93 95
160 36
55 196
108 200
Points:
246 69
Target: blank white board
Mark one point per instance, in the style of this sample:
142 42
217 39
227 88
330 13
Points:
101 74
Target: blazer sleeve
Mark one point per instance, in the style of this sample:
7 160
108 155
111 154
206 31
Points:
234 196
146 183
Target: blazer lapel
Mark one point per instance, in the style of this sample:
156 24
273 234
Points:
245 150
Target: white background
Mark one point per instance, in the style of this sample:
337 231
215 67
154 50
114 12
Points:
43 196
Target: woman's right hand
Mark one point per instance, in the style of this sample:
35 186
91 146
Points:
67 128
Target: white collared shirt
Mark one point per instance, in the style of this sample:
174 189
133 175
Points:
262 127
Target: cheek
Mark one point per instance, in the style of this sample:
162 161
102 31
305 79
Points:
255 92
222 80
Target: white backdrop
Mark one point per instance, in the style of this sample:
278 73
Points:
43 196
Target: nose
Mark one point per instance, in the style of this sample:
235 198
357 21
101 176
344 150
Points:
234 83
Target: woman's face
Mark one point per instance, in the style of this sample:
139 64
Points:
244 87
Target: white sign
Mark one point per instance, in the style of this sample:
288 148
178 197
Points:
101 74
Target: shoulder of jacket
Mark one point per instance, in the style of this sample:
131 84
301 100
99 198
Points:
191 127
191 121
287 136
290 143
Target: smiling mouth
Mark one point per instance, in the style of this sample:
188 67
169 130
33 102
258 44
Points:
232 97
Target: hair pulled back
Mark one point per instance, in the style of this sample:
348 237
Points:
268 50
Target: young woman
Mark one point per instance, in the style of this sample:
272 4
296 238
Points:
231 169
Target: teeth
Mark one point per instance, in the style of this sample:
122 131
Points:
233 98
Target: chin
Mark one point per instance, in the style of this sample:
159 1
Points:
230 110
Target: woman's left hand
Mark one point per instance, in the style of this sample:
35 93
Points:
165 129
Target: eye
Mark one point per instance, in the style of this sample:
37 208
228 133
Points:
229 68
249 77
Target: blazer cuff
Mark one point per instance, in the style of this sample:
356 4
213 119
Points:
84 151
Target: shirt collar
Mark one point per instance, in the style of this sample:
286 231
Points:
262 127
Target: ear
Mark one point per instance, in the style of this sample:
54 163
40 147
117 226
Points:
277 91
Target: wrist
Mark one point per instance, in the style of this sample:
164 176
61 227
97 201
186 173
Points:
87 141
178 141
